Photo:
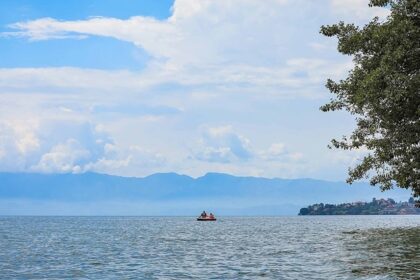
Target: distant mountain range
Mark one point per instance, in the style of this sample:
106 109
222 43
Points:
172 194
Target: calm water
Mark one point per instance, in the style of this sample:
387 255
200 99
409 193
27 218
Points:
335 247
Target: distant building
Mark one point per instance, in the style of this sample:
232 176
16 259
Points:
376 207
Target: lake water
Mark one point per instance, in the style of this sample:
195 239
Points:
310 247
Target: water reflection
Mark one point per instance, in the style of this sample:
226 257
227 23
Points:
289 248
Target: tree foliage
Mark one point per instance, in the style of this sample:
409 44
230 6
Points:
376 207
382 92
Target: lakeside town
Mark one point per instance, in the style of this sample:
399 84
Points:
375 207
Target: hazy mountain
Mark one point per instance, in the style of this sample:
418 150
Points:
172 194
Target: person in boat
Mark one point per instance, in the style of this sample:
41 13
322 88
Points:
204 214
211 216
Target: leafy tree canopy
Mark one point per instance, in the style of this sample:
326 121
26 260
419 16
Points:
383 92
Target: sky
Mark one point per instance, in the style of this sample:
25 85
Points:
135 87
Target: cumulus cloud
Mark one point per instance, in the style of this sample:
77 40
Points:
205 31
130 161
232 43
66 147
222 144
274 152
64 157
201 43
55 146
279 152
216 152
210 62
16 141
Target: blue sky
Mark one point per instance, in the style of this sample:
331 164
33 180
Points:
93 52
138 87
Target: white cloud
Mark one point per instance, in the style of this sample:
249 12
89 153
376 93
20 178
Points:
66 80
279 152
275 151
63 157
66 147
358 10
222 144
217 43
49 146
202 42
17 140
117 160
207 32
257 65
198 32
348 157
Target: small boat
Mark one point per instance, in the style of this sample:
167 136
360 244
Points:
206 219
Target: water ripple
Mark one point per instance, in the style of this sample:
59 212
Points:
337 247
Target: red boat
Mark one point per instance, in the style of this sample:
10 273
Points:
204 217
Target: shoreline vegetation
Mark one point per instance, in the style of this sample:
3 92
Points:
375 207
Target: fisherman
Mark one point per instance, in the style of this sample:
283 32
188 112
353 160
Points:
211 216
204 214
